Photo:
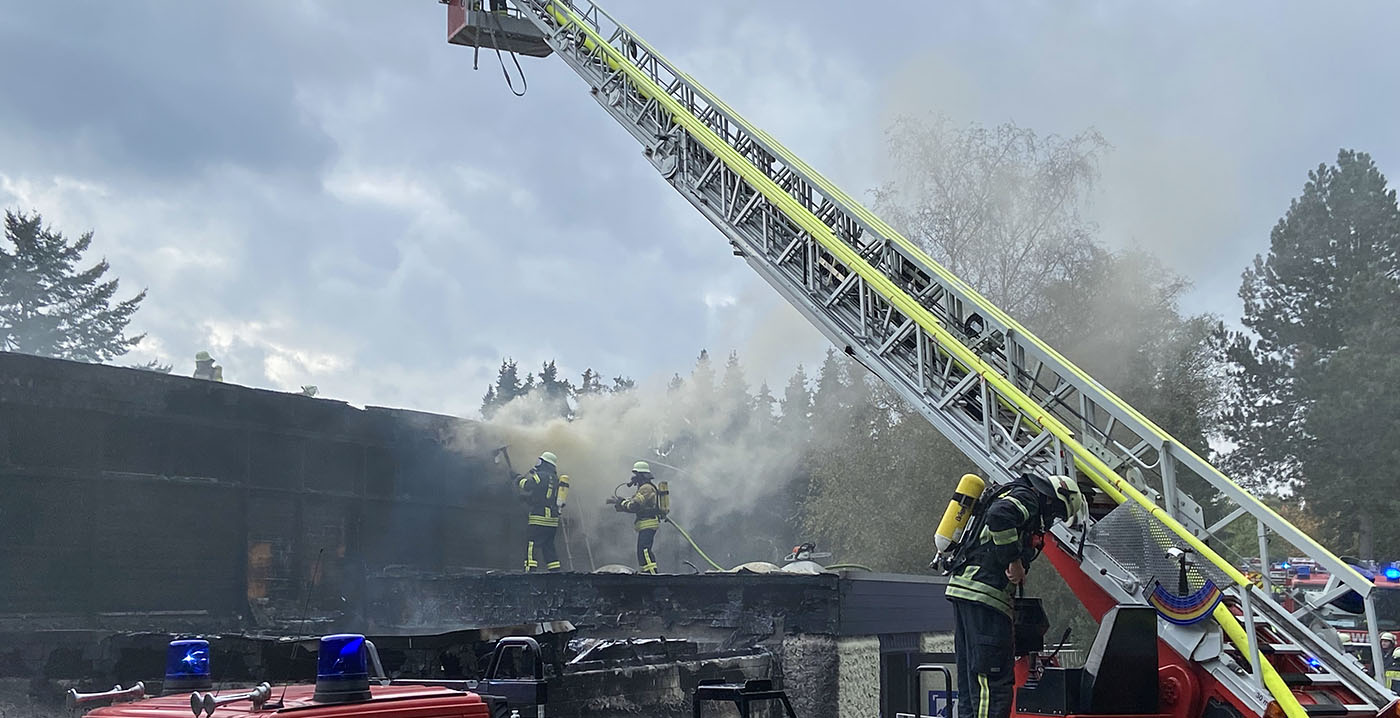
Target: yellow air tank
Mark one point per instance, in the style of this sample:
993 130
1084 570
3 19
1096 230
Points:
959 511
663 498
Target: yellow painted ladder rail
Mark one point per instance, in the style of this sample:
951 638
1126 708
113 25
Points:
1006 399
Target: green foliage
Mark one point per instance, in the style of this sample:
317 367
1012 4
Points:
557 392
51 307
1322 341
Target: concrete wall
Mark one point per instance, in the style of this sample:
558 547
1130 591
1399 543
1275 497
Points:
124 493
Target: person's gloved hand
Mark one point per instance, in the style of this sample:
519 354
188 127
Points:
1016 572
612 500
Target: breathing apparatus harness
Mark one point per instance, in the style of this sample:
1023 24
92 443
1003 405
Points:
960 555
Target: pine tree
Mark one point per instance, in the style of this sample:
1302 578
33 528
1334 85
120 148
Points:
796 406
590 383
50 307
622 384
734 400
1321 309
506 388
556 391
764 404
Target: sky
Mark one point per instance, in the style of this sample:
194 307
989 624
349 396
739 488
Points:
327 193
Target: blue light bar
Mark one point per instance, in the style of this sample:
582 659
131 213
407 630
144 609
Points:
187 666
1392 573
342 672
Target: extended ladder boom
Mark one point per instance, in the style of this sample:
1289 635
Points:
1005 398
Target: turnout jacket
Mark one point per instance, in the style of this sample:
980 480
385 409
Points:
1010 523
544 490
645 504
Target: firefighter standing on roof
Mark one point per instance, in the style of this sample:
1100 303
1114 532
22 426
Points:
646 505
545 491
985 575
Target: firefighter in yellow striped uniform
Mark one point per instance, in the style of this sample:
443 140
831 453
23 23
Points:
984 578
645 504
545 490
1391 655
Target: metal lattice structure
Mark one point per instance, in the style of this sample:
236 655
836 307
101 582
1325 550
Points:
1005 398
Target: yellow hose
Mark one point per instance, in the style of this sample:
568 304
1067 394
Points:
695 546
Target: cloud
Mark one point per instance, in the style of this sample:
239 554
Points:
360 210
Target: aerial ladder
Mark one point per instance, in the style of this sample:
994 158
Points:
1008 400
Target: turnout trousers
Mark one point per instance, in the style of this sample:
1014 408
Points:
646 560
539 548
986 675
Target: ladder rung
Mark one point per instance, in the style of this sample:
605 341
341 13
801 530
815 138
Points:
1330 710
1270 649
1310 679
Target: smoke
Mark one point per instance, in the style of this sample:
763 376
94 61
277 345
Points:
724 462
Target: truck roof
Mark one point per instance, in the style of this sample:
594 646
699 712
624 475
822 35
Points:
386 702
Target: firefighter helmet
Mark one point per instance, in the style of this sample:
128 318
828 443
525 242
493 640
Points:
641 467
1067 499
548 457
203 356
1388 636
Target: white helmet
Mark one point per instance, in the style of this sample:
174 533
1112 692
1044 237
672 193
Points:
1064 490
1388 636
549 458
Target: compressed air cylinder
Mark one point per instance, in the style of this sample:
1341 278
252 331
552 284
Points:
959 511
663 498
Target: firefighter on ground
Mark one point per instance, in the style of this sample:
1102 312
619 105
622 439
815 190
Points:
545 491
1391 655
985 577
646 505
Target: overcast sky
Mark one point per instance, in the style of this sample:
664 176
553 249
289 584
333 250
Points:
326 192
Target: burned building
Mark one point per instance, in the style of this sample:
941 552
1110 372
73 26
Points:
135 505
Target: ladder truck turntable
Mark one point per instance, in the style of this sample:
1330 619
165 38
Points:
1008 400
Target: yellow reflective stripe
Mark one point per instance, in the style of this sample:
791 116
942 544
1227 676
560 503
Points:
983 700
968 590
1005 536
1025 512
544 520
644 524
552 565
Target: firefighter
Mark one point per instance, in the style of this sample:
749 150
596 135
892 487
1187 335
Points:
204 368
1391 656
646 505
542 490
985 576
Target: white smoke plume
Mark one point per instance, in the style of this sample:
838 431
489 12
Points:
724 464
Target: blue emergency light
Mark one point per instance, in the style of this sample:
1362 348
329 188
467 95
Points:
342 672
1392 573
187 666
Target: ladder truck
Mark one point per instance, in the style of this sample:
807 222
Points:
1007 399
